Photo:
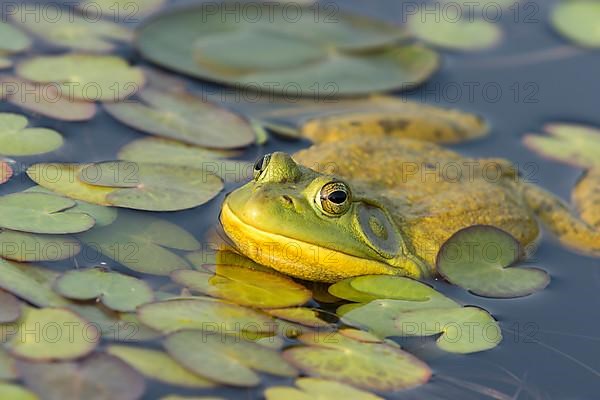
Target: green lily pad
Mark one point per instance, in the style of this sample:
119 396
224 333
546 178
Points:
13 40
48 102
6 172
15 392
355 55
371 366
317 389
10 308
127 10
30 283
98 377
51 334
301 315
203 314
577 145
226 359
41 213
18 140
578 21
116 291
157 365
364 289
182 116
66 29
463 330
245 286
86 77
142 243
30 247
481 259
462 34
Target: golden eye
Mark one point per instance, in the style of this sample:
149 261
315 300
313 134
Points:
260 165
334 198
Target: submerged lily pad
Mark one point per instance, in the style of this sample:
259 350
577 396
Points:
577 145
226 359
44 99
98 377
317 389
203 314
374 366
142 243
85 76
245 286
18 140
51 334
15 392
578 21
67 29
182 116
481 259
30 283
13 40
30 247
355 55
463 330
159 366
116 291
41 213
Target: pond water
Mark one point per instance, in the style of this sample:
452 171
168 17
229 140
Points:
551 348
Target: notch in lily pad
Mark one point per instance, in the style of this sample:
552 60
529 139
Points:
482 259
16 139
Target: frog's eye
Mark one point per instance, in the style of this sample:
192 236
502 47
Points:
261 164
334 198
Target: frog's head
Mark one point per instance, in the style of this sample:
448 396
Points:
313 226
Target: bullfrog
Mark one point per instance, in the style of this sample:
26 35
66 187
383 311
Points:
385 206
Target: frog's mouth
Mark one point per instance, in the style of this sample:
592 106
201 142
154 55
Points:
305 260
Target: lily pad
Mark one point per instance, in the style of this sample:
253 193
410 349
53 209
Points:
226 359
85 77
317 389
10 308
67 29
41 213
481 259
51 334
5 62
463 330
301 315
44 99
245 286
577 145
18 140
30 283
126 10
355 55
184 117
8 365
6 172
371 366
98 377
13 40
157 365
578 21
364 289
15 392
30 247
203 314
116 291
142 243
461 34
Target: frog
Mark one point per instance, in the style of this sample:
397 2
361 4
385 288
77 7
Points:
363 206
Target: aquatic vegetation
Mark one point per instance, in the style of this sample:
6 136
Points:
127 10
577 20
16 139
319 389
10 310
13 40
31 283
31 247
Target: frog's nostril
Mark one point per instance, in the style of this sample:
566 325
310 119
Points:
287 200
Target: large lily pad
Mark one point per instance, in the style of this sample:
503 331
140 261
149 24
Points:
51 334
364 289
30 283
116 291
482 258
44 99
66 29
317 389
179 115
15 392
353 56
85 76
13 40
142 243
30 247
98 377
203 314
159 366
41 213
226 359
577 145
18 140
578 21
244 286
374 366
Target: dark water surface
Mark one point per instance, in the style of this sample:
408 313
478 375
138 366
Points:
551 347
